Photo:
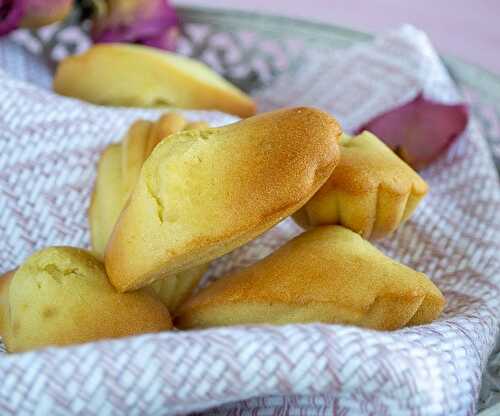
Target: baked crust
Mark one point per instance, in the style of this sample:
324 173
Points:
372 191
61 296
202 193
176 289
328 274
4 293
117 173
141 76
107 200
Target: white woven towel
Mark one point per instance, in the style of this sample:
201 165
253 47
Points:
48 149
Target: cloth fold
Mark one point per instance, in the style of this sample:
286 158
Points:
49 146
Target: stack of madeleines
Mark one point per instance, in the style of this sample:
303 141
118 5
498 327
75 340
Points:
174 195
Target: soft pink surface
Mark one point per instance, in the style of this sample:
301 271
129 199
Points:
467 29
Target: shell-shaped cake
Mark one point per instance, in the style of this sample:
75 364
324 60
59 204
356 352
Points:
371 191
328 274
117 173
141 76
61 296
204 192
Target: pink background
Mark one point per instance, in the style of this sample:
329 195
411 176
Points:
468 29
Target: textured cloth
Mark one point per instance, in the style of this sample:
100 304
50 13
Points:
49 146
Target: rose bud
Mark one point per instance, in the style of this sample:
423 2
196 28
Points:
421 130
148 22
11 13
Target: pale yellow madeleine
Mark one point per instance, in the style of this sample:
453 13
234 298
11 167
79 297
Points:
328 274
117 173
371 191
141 76
61 296
134 147
202 193
108 198
175 289
4 296
167 124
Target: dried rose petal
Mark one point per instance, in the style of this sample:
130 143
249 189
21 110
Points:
44 12
148 22
420 130
11 13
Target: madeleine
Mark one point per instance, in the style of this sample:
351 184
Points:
372 191
117 173
328 274
141 76
202 193
61 296
118 170
4 297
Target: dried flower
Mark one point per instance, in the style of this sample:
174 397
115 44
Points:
148 22
11 13
420 130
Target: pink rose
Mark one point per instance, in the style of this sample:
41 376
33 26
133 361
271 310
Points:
11 13
421 130
148 22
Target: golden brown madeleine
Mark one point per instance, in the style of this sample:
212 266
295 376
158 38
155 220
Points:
328 274
141 76
4 293
61 296
175 289
202 193
372 191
